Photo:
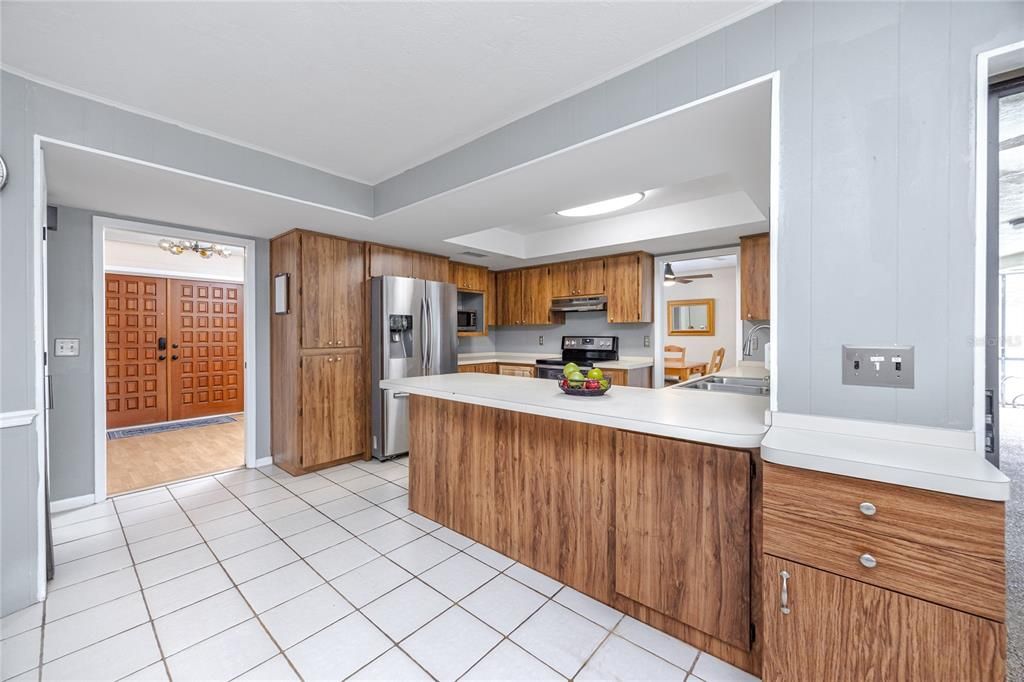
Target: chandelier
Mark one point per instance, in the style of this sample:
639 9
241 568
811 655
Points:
204 250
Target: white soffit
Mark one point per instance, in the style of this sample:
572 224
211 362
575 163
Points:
711 158
364 90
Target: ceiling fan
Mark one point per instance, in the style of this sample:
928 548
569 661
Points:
671 277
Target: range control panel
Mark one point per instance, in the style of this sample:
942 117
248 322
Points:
591 342
887 366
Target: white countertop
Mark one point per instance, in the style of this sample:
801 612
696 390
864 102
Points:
723 419
624 361
929 467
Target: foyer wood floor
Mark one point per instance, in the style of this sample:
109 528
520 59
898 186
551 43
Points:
145 461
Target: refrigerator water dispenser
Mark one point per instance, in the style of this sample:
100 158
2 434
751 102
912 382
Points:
400 327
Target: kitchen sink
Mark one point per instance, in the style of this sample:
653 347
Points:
741 385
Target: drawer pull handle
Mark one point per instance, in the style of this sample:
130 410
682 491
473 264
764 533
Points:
868 561
784 600
868 509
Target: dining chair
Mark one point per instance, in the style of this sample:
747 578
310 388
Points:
717 360
674 365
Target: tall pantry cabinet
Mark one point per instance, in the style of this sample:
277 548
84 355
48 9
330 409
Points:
319 351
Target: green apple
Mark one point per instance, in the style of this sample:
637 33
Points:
595 373
569 368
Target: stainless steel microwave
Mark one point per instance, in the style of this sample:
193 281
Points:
467 321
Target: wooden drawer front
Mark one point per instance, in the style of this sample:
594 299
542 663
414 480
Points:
962 524
959 581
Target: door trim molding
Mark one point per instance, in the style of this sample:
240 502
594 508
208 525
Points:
99 225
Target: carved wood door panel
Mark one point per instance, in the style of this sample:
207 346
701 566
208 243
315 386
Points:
136 319
206 358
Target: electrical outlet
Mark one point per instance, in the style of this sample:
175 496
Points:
540 340
65 348
888 366
647 342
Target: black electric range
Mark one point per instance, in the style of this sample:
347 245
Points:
585 351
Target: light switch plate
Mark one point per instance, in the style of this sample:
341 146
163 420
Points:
65 348
886 366
647 342
540 340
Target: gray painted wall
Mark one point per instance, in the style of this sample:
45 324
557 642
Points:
28 109
72 454
875 228
876 209
524 339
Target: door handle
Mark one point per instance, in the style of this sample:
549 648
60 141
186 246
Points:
49 391
399 395
424 338
430 337
161 343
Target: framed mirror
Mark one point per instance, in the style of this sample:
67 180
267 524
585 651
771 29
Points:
694 317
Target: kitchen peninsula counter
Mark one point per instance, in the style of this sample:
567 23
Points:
722 419
646 500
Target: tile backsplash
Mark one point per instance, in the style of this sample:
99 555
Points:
525 339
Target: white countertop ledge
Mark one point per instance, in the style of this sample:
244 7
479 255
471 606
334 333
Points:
929 467
723 419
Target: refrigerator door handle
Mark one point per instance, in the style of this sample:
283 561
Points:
430 335
424 339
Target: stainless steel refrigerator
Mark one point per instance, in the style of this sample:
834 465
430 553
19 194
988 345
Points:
414 329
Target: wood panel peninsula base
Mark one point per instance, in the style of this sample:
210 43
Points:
665 530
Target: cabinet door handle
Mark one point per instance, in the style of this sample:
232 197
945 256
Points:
868 509
784 600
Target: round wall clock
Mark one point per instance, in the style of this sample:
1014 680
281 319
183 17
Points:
3 172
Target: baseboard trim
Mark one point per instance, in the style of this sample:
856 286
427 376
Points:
264 461
69 503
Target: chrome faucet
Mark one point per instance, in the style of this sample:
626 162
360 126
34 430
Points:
748 341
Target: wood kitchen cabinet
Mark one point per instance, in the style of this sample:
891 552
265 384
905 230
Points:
682 532
332 299
828 627
869 580
333 414
491 299
578 278
755 277
468 277
629 281
516 370
479 368
317 362
525 297
388 260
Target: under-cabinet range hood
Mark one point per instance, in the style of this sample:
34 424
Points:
579 304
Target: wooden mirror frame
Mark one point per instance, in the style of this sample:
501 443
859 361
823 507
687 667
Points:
709 302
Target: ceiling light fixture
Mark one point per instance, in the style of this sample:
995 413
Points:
670 276
602 207
204 250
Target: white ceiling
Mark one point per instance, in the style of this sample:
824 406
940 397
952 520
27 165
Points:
364 90
699 265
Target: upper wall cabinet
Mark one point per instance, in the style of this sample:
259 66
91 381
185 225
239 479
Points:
491 299
467 277
629 281
525 297
755 277
332 294
388 260
578 278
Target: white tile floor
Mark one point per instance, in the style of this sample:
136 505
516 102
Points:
258 575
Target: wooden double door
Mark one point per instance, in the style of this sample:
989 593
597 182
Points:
174 349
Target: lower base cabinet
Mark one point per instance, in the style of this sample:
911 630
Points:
333 421
821 626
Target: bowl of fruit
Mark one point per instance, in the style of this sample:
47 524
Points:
573 381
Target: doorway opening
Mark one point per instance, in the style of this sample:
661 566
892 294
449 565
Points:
174 356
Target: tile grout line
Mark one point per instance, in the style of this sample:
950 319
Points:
396 644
